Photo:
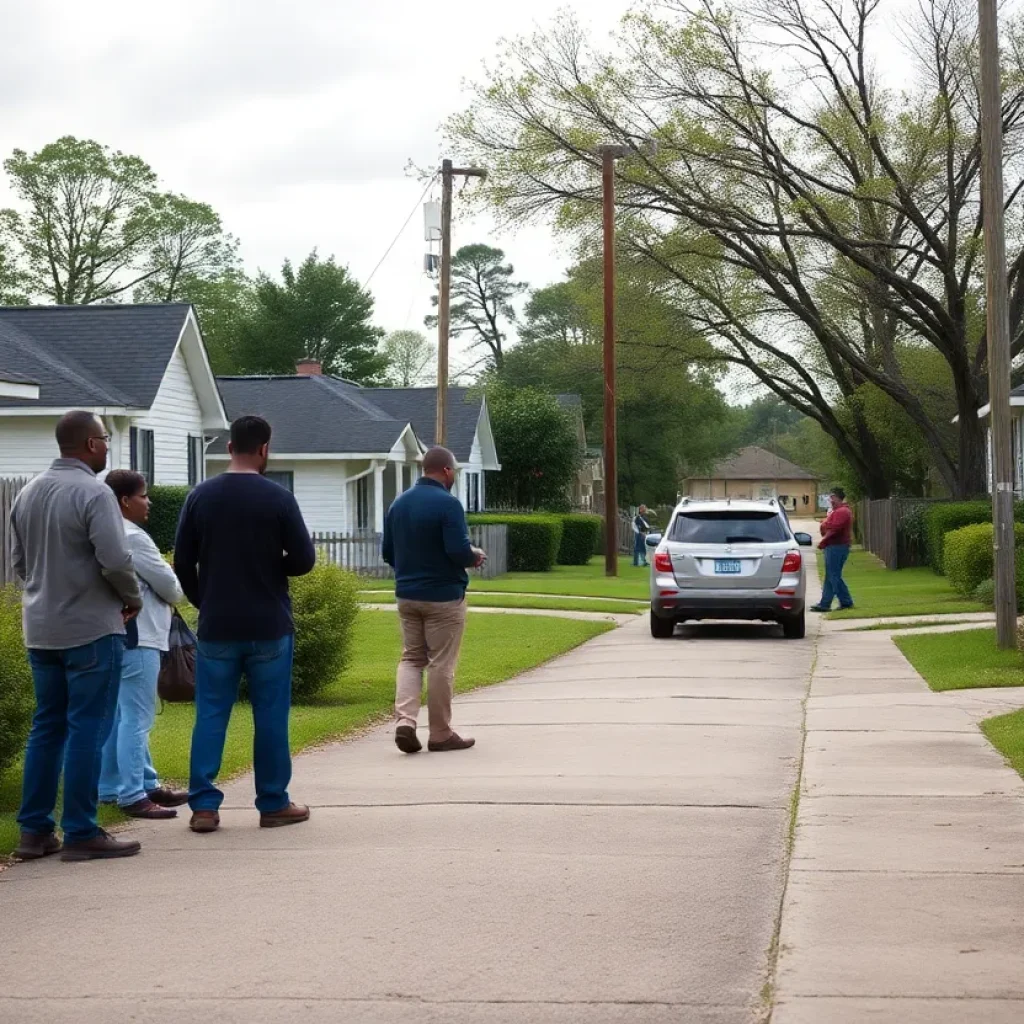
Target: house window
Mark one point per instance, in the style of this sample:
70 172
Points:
363 503
142 457
285 478
473 492
195 460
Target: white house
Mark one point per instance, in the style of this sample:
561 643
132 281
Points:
1016 439
143 368
346 451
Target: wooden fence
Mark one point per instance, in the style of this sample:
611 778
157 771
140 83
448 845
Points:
8 492
360 552
892 529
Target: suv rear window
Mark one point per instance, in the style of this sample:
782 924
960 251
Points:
729 528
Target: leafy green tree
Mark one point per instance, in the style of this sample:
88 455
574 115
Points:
481 299
411 358
538 448
318 312
225 305
13 282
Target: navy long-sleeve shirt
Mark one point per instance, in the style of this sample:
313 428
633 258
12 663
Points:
426 541
239 538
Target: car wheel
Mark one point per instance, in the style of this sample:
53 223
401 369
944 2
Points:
661 628
794 627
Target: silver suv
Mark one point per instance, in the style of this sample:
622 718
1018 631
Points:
725 559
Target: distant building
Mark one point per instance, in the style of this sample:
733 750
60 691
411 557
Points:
758 473
587 489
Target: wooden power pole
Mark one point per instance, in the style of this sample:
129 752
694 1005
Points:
609 154
444 301
998 324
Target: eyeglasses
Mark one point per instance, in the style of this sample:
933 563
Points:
105 438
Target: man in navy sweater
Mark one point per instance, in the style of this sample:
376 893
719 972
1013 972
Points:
239 539
426 541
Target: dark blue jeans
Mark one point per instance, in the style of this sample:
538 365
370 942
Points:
76 694
835 586
267 666
639 549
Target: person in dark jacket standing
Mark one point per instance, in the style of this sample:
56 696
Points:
426 541
836 536
640 530
239 538
70 549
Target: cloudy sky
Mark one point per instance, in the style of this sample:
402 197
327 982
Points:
294 120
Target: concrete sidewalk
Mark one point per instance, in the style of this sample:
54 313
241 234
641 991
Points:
905 902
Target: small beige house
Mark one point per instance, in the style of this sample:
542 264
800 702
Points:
754 473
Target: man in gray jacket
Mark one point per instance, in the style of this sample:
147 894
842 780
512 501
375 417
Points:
69 548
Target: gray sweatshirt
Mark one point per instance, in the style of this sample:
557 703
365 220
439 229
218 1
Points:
69 547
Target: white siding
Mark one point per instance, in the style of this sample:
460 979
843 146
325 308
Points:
174 416
27 446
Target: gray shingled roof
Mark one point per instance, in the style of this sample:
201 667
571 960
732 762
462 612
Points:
90 355
755 463
418 406
310 415
569 401
1018 391
10 377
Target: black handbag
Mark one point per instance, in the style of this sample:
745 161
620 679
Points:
176 683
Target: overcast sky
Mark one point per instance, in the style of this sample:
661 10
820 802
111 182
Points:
293 120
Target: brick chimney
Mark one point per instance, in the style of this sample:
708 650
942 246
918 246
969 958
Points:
308 368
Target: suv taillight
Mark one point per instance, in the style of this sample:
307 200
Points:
792 562
663 561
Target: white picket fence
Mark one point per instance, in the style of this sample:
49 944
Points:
9 489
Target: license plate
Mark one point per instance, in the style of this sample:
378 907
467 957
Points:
727 565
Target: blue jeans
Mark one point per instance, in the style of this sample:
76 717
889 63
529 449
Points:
76 695
639 549
127 773
268 668
835 586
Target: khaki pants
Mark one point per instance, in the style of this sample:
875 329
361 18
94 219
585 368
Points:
431 637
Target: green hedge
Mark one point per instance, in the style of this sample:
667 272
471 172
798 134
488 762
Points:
968 556
325 603
581 534
164 512
533 540
16 693
947 516
986 592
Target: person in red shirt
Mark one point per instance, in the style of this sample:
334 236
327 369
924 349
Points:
836 535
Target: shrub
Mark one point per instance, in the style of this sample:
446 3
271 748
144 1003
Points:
985 593
580 536
164 512
324 604
16 693
968 557
945 517
533 540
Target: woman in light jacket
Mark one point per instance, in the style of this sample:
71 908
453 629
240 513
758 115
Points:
128 777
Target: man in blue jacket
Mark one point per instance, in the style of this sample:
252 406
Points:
426 541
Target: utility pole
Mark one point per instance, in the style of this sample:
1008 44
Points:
998 324
448 173
609 154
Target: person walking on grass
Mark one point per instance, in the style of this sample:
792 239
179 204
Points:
127 775
641 527
426 542
69 548
239 538
836 537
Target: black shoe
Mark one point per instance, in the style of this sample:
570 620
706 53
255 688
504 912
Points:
164 797
819 608
454 742
34 847
406 740
102 846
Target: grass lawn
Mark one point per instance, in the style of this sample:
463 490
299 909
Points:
879 592
567 580
543 602
1006 734
908 625
963 661
495 648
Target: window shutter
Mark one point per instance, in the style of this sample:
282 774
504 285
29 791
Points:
133 449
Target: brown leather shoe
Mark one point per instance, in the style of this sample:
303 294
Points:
33 846
164 797
102 846
293 814
204 821
454 742
406 740
145 808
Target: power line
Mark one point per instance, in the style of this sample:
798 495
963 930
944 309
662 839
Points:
394 241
